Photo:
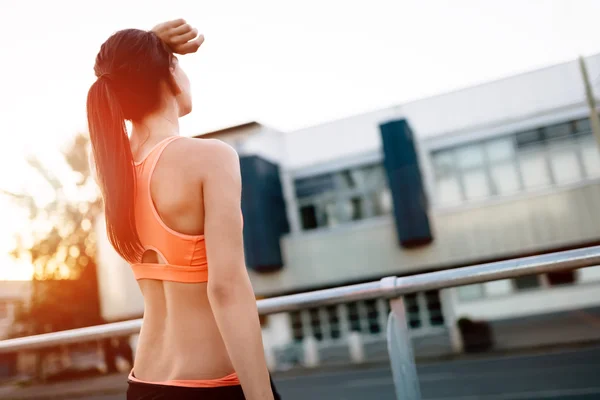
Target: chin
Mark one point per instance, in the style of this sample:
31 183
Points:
183 111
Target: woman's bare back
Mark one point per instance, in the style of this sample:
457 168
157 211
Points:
180 339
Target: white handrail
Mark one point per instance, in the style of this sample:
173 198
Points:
571 259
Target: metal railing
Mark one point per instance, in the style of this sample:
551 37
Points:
399 344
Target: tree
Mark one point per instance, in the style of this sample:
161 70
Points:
63 246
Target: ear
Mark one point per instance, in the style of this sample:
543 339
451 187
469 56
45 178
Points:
173 81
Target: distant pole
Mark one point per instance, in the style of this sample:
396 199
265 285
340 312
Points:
589 94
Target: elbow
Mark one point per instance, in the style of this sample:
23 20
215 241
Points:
222 291
218 291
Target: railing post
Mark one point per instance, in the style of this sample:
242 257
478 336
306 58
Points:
356 347
404 369
311 352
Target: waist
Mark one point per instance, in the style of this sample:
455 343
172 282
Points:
228 380
185 344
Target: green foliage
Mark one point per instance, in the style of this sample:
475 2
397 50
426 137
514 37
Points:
65 289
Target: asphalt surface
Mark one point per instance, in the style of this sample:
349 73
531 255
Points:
573 374
565 375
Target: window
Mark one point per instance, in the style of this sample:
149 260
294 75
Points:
334 321
369 317
338 212
529 138
372 316
308 215
563 153
381 202
583 125
503 168
412 311
558 131
322 323
307 187
476 185
315 322
434 307
470 156
296 320
499 150
527 282
561 278
565 163
505 177
343 196
530 160
476 171
470 292
443 162
471 161
447 178
534 168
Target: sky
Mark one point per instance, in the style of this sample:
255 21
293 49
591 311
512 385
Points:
285 64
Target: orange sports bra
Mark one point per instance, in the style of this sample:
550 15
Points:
184 255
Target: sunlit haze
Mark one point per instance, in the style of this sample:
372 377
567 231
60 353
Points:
284 64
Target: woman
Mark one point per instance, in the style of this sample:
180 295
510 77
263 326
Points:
172 209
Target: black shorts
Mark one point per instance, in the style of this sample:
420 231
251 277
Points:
151 391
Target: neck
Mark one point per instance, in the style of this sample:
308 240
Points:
156 126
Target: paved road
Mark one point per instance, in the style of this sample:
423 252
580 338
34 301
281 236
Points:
572 375
567 375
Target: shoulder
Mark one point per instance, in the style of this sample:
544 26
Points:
204 150
205 155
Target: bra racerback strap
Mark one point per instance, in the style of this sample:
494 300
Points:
155 154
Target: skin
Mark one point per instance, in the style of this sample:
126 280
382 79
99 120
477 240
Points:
200 330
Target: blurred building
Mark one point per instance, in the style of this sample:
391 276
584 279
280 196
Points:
505 169
14 295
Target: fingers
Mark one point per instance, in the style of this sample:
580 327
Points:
179 36
185 37
189 47
168 25
180 29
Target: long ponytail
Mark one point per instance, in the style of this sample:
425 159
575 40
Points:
115 167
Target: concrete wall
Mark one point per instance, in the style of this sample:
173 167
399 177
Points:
497 229
502 301
530 302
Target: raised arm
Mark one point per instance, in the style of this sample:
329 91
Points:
229 291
